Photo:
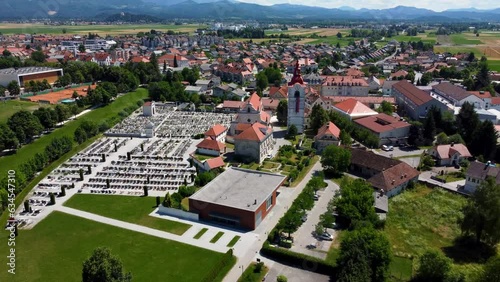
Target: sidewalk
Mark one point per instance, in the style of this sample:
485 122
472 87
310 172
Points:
451 186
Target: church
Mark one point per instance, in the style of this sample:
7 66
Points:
251 131
296 100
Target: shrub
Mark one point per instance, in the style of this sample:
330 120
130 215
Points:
281 278
258 267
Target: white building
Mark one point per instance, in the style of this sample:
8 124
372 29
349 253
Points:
296 101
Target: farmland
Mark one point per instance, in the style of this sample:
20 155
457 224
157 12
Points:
486 44
13 28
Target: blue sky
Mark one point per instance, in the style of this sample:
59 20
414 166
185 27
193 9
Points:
436 5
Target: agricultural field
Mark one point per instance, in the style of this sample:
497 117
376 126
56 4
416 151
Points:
10 107
126 208
102 30
54 250
486 44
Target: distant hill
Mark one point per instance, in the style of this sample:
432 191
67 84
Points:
224 10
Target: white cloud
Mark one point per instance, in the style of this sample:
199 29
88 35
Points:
383 4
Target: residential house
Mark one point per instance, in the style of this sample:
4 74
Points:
210 147
217 132
386 175
388 129
102 59
414 102
208 164
450 154
457 96
328 134
478 172
204 84
278 92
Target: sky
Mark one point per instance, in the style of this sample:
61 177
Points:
436 5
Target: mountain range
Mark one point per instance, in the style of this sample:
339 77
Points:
226 10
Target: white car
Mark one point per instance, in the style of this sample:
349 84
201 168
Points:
387 148
326 236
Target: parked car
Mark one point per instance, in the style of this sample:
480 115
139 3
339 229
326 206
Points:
326 236
304 218
387 148
316 197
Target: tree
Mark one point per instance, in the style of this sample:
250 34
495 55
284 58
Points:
491 270
429 127
38 56
45 117
386 107
484 140
25 125
8 139
81 48
335 159
472 57
292 132
318 118
434 266
261 80
102 266
6 53
13 88
482 213
167 202
365 255
345 138
483 76
339 34
355 202
282 112
467 122
176 65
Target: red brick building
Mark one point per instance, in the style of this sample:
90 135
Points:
238 197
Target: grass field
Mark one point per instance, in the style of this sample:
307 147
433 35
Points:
426 219
217 237
102 30
461 39
55 249
494 65
420 37
101 114
233 241
126 208
486 44
200 233
10 107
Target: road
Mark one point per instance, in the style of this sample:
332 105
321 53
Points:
387 58
304 236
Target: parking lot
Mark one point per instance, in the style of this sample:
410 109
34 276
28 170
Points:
305 240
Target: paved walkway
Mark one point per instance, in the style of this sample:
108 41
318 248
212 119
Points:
143 229
451 186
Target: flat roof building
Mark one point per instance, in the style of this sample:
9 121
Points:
237 197
24 75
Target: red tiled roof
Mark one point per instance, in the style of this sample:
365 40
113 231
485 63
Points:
353 106
278 92
254 100
211 144
242 126
417 96
364 100
328 129
215 130
446 151
252 133
481 94
393 177
381 123
215 162
336 80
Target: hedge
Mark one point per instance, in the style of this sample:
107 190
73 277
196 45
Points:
303 261
226 259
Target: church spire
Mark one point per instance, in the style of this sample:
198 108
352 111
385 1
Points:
297 77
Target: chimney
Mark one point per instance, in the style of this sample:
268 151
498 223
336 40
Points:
393 181
452 143
255 202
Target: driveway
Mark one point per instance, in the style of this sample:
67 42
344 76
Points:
304 236
292 273
407 155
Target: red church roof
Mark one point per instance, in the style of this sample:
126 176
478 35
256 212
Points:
297 77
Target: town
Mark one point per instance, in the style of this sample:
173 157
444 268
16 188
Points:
249 151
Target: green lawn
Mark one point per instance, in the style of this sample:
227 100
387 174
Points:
233 241
333 40
250 275
217 237
55 249
8 108
229 145
202 157
101 114
406 38
126 208
200 233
